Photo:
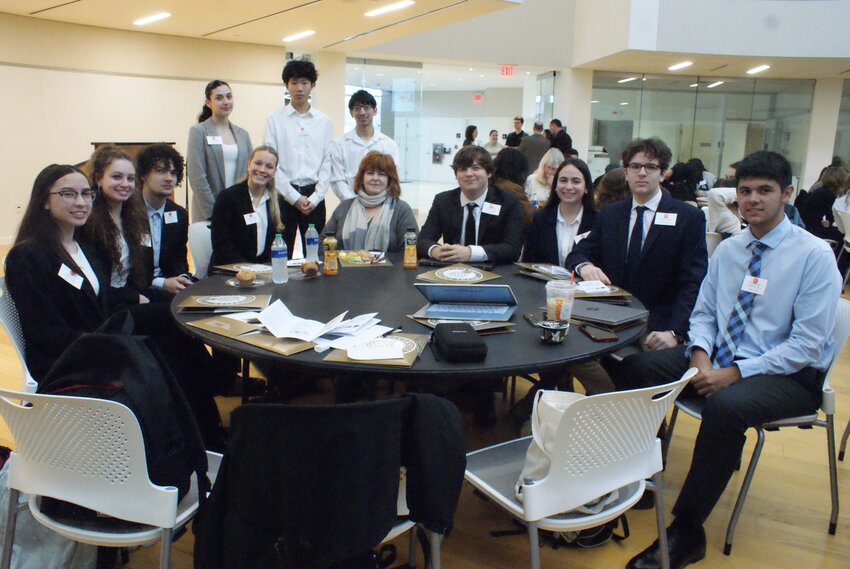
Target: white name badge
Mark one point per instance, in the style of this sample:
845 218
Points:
581 236
491 208
214 140
755 285
170 217
664 218
146 240
251 218
71 277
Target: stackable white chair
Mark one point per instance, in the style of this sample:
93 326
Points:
693 407
89 452
12 324
605 442
200 245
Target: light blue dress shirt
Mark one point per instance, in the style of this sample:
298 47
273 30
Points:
790 325
155 219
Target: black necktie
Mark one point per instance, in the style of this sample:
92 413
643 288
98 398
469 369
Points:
633 257
469 233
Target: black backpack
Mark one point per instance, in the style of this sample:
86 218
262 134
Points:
112 364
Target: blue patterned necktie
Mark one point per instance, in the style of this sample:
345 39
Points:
734 332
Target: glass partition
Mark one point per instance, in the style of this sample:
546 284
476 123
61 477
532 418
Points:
842 134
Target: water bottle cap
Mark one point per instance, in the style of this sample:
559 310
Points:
311 225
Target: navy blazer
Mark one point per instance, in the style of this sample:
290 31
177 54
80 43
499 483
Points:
233 241
673 260
173 245
500 235
53 312
541 244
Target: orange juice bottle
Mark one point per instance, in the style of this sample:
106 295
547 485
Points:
331 267
410 248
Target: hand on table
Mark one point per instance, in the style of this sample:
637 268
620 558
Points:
452 253
591 272
176 284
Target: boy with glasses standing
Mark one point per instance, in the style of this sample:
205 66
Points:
651 245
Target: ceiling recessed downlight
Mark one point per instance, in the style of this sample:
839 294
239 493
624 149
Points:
758 69
715 84
151 19
679 66
299 35
694 85
623 104
389 8
627 79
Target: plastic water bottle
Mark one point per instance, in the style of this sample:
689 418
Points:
312 239
280 256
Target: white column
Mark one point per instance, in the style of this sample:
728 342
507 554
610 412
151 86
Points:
573 89
826 103
529 108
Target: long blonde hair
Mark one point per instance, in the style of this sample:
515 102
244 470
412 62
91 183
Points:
275 219
553 158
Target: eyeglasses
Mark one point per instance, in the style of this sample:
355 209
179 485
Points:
70 196
636 166
359 108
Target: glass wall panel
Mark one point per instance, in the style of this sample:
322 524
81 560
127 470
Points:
842 135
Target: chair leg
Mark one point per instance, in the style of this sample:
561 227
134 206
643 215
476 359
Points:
533 545
411 548
745 487
665 444
9 534
165 548
846 432
658 485
435 539
833 473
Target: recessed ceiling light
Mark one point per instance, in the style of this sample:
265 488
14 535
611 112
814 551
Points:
482 75
679 66
379 74
758 69
389 8
528 72
592 102
299 35
150 19
627 79
623 104
715 84
471 68
694 85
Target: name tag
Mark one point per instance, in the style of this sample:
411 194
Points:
581 236
251 218
71 277
214 140
491 208
146 240
170 217
663 218
755 285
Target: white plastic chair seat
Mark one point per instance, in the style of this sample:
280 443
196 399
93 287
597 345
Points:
693 407
494 471
200 246
12 323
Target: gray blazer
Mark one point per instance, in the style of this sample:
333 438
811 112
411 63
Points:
205 165
402 219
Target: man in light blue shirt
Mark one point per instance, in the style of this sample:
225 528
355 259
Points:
760 336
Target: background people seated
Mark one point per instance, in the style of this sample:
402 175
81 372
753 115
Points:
476 221
509 171
247 216
492 145
217 152
539 182
816 209
376 219
612 187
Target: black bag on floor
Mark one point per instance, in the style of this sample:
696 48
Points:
112 364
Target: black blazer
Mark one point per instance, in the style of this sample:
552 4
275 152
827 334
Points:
500 235
541 244
673 260
562 141
53 312
232 240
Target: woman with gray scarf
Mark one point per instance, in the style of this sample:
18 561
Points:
376 219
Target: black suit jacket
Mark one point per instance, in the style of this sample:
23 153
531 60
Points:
173 247
541 244
562 141
499 235
53 312
673 259
232 240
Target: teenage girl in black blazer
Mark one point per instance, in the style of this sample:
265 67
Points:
238 214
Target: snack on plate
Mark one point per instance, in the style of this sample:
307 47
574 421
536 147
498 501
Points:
310 268
365 256
246 277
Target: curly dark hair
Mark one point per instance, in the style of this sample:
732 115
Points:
299 69
158 156
101 229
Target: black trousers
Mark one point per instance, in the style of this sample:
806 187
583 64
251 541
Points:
728 413
294 220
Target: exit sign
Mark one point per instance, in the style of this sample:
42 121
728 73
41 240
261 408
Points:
506 71
477 97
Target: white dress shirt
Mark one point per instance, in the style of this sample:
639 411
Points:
347 152
230 152
477 253
566 233
304 144
648 215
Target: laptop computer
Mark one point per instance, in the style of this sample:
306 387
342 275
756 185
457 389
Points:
467 301
606 314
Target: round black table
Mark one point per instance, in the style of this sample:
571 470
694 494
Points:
389 291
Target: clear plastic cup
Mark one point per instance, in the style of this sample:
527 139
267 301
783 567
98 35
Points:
559 300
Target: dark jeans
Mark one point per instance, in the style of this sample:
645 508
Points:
294 220
727 414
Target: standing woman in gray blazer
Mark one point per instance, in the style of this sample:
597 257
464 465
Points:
218 150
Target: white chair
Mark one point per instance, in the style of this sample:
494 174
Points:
693 407
89 452
712 240
604 442
12 324
200 245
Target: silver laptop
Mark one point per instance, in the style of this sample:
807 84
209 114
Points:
606 314
495 303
